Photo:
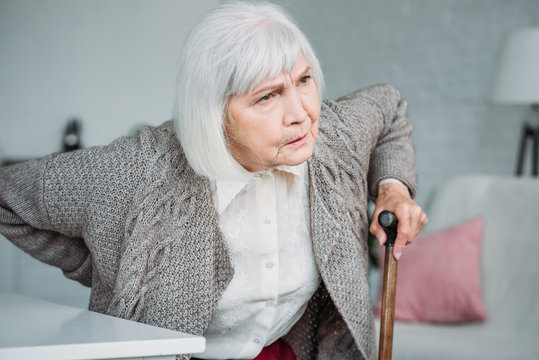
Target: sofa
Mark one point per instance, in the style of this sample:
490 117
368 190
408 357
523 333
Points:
509 270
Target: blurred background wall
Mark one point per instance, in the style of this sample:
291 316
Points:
112 63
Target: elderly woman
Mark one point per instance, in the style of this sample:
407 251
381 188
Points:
243 219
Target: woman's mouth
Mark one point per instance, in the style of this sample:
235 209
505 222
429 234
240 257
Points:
298 141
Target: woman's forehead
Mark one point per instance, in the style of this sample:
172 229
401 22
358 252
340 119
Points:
301 66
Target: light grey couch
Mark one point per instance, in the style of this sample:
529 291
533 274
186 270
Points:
509 267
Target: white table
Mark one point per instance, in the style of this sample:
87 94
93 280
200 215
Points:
37 329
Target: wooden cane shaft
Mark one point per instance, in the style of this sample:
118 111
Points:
388 305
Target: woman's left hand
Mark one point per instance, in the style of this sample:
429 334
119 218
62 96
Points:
396 198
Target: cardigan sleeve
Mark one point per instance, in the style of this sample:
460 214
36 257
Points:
25 221
47 205
393 155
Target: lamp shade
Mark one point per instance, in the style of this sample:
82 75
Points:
518 76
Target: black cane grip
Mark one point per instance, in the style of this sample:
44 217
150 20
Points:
389 222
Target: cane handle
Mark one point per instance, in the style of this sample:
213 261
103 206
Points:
389 222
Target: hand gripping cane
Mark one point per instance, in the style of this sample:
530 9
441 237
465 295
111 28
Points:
388 221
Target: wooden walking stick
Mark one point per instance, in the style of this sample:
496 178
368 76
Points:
388 221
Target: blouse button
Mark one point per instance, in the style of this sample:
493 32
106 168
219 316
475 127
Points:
269 265
256 340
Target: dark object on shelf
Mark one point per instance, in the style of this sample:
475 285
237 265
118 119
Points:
529 132
71 139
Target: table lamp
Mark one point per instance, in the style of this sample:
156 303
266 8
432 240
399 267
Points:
518 83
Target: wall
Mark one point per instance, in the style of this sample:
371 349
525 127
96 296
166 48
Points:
112 63
443 56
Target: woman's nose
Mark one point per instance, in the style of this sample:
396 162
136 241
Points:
294 109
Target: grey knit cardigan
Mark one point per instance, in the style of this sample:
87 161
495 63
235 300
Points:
133 221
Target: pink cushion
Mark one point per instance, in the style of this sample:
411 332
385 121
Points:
439 277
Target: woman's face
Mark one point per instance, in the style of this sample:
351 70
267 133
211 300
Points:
277 122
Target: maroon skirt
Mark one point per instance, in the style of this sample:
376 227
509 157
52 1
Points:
279 350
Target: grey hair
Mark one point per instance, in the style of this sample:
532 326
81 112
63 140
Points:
232 49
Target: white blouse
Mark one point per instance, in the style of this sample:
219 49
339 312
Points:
265 221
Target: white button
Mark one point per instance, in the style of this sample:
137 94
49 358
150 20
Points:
267 221
269 265
256 340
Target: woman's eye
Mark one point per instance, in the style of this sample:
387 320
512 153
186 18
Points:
265 98
304 79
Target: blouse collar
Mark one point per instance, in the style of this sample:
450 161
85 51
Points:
227 189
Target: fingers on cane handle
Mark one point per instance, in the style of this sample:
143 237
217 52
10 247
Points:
389 222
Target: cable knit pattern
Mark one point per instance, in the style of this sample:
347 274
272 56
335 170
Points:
133 221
